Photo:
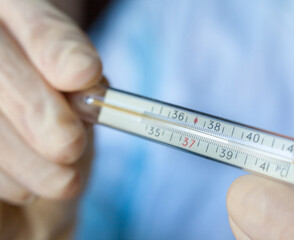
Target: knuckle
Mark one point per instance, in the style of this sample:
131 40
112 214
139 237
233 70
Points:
68 55
48 27
23 197
68 188
43 21
62 41
70 151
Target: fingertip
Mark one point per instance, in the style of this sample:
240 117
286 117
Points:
238 232
261 208
242 194
79 69
235 191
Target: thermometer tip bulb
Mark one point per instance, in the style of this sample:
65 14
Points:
89 100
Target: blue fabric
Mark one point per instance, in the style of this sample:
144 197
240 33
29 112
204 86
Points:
229 58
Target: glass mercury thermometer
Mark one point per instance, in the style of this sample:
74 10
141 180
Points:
254 150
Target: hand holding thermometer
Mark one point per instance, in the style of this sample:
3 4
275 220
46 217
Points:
254 150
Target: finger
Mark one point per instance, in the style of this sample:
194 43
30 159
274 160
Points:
40 114
13 192
25 166
62 53
239 234
262 209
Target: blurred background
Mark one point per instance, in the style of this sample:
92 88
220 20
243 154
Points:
228 58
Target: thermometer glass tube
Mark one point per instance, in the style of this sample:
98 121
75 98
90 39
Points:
255 150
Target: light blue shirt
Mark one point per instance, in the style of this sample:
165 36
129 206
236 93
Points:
228 58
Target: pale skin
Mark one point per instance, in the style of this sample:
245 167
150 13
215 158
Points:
46 150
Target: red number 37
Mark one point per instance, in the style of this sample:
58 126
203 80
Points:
188 141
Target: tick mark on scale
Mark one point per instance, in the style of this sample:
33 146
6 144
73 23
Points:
287 172
171 137
233 131
207 147
246 160
152 109
273 142
160 110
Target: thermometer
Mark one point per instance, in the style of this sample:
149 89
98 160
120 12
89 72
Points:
255 150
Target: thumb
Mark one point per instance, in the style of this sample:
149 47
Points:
261 209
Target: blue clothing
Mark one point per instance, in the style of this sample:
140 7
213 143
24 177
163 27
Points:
232 59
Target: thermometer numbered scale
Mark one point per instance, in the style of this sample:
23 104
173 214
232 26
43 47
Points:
252 149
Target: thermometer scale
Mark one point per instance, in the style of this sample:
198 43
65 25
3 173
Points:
255 150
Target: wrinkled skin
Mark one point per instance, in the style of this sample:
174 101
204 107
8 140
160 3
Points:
46 149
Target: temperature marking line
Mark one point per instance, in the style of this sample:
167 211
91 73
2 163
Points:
186 119
146 127
246 160
207 147
160 110
163 132
236 155
273 142
168 114
283 147
152 109
198 143
233 131
171 137
242 135
204 124
223 129
181 137
195 120
287 171
256 161
262 141
216 149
